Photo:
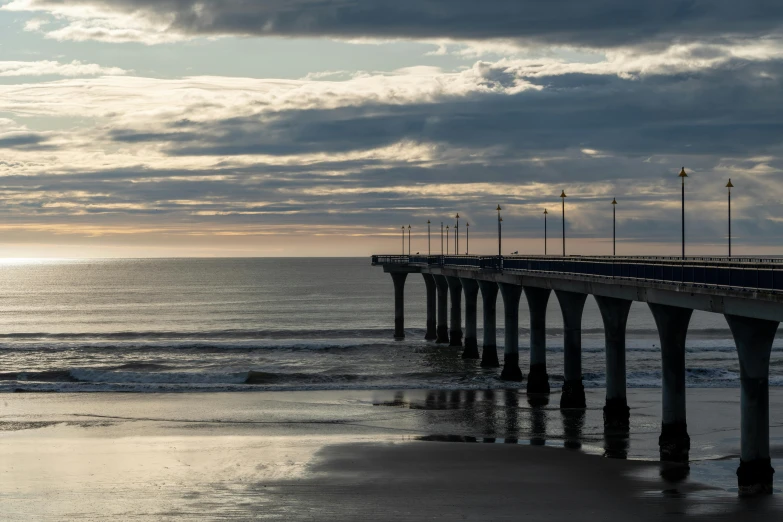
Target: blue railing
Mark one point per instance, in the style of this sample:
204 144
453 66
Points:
764 274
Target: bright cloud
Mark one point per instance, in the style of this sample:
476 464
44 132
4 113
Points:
52 68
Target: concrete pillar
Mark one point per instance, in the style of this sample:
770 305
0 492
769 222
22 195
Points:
455 330
489 297
399 304
511 294
572 305
429 281
537 299
471 288
442 334
672 322
754 338
614 312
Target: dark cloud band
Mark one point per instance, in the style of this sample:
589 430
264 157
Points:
596 23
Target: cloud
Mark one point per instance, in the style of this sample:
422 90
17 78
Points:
22 140
52 68
596 24
222 155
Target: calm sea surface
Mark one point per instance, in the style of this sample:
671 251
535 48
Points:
278 324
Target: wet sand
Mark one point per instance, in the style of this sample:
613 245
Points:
373 455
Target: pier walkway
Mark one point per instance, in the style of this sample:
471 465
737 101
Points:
747 291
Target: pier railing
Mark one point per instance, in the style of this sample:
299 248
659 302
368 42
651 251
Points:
765 274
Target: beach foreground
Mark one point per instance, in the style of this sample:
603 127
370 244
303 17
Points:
372 455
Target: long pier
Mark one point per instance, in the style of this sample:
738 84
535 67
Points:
747 291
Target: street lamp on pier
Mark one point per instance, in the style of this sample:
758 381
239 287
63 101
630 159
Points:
441 238
456 236
729 186
614 226
545 214
409 240
500 235
403 240
456 242
467 238
563 196
429 239
447 240
682 176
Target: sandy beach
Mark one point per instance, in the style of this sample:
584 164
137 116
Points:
374 455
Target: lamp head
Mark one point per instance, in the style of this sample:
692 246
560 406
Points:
614 201
563 194
545 212
683 174
729 184
498 209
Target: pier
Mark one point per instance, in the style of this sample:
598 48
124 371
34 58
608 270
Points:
747 291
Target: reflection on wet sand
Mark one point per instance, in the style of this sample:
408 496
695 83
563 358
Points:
573 425
491 416
617 442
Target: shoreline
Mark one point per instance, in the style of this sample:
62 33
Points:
286 454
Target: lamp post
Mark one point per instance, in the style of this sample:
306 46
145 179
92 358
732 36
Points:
441 238
500 220
729 186
409 240
429 239
456 236
545 214
467 238
682 176
447 240
614 226
403 240
563 196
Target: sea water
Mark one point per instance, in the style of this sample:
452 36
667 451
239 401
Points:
183 325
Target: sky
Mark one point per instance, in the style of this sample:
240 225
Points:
149 128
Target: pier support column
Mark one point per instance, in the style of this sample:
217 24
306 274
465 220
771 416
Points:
537 300
511 294
399 304
572 305
442 334
455 330
754 338
489 297
614 312
672 322
429 281
471 288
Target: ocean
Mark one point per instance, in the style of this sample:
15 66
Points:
199 325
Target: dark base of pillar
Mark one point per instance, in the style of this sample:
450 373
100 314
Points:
511 371
399 329
443 335
755 477
674 442
573 395
537 379
431 334
471 349
455 338
617 414
489 357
